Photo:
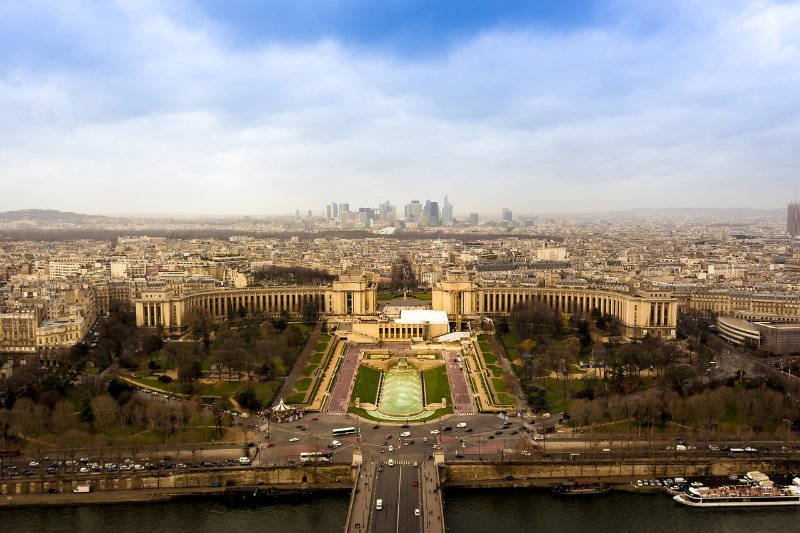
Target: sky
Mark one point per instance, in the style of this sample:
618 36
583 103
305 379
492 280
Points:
229 107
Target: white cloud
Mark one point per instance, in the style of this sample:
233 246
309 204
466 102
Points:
145 108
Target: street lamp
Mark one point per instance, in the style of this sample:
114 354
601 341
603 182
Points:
788 434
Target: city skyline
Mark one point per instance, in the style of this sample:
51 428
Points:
191 109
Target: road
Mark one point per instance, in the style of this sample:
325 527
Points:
394 485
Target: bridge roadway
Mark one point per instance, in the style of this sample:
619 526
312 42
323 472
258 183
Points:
401 499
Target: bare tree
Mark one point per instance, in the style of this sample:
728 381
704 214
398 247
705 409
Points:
105 411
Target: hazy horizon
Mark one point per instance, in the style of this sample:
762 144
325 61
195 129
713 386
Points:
779 211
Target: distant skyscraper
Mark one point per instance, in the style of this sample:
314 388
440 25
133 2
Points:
447 212
432 210
384 210
474 219
413 210
793 219
328 213
335 210
507 216
344 208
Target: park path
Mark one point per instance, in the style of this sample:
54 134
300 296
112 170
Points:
300 364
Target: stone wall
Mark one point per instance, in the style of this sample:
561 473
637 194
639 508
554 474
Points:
273 476
469 473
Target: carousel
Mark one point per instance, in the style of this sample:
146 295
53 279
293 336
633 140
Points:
282 412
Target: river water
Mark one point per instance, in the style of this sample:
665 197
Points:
466 511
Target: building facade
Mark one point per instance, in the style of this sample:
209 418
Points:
793 219
352 294
640 313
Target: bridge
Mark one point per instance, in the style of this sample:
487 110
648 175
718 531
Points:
410 495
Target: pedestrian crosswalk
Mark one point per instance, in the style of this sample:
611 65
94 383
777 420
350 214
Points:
520 451
402 463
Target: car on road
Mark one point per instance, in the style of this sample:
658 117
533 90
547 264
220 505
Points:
390 462
447 428
415 483
294 439
538 437
434 432
461 425
405 434
391 448
314 418
416 512
468 430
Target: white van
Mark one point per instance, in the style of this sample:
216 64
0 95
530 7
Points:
244 460
378 504
461 425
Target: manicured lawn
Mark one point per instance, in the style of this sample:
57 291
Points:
499 385
302 384
510 340
417 295
298 397
264 391
436 385
366 386
504 399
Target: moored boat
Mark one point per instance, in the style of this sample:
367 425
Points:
739 496
580 488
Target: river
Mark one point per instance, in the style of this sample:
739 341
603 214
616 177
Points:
466 511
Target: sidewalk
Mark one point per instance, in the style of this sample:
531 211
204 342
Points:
432 499
361 500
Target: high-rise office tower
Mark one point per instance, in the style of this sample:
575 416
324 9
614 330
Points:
335 210
328 212
473 219
507 216
432 210
447 212
344 207
793 219
384 210
413 210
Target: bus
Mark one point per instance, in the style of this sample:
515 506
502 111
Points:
315 457
344 431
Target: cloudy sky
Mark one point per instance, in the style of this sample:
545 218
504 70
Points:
267 106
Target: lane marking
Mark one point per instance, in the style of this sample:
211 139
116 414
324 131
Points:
399 495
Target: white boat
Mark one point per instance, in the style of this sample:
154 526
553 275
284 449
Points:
739 496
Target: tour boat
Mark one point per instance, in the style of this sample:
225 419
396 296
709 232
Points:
739 496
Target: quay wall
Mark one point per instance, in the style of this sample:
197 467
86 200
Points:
333 475
538 473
